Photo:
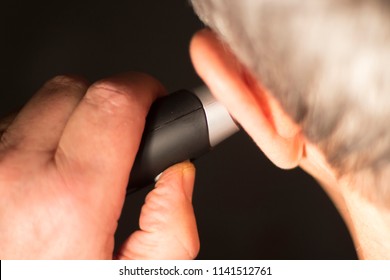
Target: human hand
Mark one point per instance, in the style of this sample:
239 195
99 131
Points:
65 159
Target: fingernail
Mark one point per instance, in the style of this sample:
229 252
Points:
157 177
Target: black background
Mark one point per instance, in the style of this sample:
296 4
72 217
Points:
246 208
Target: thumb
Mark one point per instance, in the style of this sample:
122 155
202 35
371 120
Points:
167 221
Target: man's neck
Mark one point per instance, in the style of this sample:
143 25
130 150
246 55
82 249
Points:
367 219
371 225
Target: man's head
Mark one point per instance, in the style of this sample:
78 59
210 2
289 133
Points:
312 83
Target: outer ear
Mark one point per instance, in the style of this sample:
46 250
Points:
250 104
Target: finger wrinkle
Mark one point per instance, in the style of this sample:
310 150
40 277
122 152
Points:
63 82
191 250
7 140
111 100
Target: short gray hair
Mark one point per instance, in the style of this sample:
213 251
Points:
326 61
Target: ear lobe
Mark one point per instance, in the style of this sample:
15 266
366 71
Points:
253 107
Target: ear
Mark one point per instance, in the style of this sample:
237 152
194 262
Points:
258 112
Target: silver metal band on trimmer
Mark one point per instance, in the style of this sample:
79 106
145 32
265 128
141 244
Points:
220 123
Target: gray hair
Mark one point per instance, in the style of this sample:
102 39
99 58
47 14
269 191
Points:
326 61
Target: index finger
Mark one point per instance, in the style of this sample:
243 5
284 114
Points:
101 139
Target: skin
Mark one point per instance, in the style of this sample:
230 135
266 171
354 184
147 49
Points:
63 175
281 140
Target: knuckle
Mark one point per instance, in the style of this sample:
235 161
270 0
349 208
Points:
109 97
9 139
62 82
